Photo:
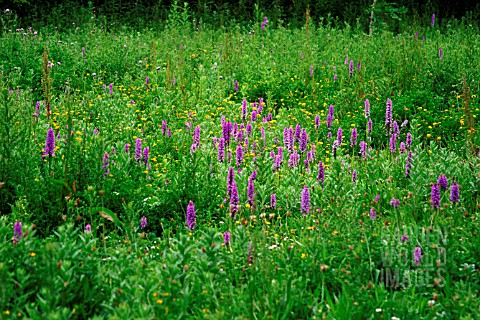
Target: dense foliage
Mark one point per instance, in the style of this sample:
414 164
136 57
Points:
391 14
248 171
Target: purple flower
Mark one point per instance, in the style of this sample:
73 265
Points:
393 143
17 232
369 125
50 143
273 200
236 86
249 129
234 131
353 137
402 147
239 136
303 141
147 80
221 150
317 122
454 192
253 176
250 192
143 222
433 19
335 78
105 163
164 127
288 141
395 203
377 197
363 149
280 152
244 109
226 130
417 255
354 176
396 130
388 114
264 23
146 152
234 200
408 164
254 116
367 108
311 155
408 140
335 146
351 68
339 136
277 162
88 228
138 149
294 159
442 181
190 216
440 53
37 109
305 201
330 116
435 195
127 148
95 132
404 238
346 60
298 132
321 173
230 180
261 104
311 71
239 157
196 138
373 214
226 239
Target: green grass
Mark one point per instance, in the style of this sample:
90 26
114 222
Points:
336 262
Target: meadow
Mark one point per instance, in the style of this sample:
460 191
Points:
246 172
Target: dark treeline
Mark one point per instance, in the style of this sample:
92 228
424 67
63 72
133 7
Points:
221 12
